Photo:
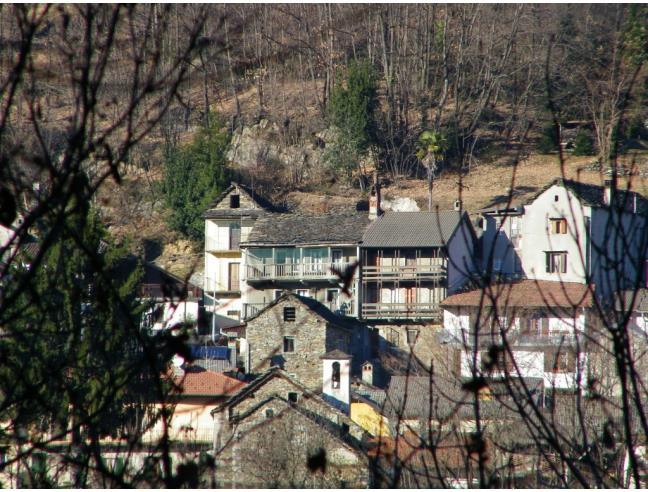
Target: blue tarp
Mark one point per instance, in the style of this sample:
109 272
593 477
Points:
221 353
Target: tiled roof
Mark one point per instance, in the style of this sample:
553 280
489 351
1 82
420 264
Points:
198 381
526 293
292 229
412 229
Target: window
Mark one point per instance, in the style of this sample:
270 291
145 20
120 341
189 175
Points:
335 378
234 314
303 292
392 336
235 201
289 344
269 413
556 261
235 236
412 335
555 198
277 294
292 397
558 226
289 313
345 429
39 462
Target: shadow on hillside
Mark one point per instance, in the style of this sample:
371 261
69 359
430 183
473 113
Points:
517 192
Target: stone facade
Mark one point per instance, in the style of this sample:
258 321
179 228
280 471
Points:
265 437
296 343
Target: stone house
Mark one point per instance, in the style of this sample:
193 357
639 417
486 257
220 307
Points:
278 433
293 333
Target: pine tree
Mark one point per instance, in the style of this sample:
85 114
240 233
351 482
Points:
194 175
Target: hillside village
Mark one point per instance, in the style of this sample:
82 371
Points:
324 246
358 331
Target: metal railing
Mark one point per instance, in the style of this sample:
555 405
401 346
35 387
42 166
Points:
513 337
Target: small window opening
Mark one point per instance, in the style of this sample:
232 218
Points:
558 226
335 378
289 313
235 201
269 413
289 344
555 198
292 397
345 429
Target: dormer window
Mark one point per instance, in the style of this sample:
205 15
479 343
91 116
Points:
235 201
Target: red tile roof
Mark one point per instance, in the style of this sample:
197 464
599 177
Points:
207 383
526 293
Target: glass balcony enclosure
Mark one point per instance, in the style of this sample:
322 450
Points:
316 263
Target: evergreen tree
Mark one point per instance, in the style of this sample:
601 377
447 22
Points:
74 361
583 144
351 114
194 175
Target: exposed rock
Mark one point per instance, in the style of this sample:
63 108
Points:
400 204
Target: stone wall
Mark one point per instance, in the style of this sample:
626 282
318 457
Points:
271 446
312 337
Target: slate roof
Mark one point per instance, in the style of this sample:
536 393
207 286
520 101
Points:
412 229
197 381
336 354
594 195
312 304
264 205
526 293
292 229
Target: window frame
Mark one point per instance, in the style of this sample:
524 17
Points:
289 314
558 225
235 200
550 264
288 343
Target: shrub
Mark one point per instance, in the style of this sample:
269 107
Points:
583 143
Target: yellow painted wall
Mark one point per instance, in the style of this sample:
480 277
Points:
369 419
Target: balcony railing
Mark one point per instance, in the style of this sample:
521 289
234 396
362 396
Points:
437 271
513 338
293 271
401 310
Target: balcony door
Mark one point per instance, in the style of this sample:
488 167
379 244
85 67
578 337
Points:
235 236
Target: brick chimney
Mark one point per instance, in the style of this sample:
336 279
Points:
374 198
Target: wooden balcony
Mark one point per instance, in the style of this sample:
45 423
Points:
292 271
401 310
386 273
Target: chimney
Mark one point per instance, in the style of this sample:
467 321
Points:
607 198
458 205
367 373
374 199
